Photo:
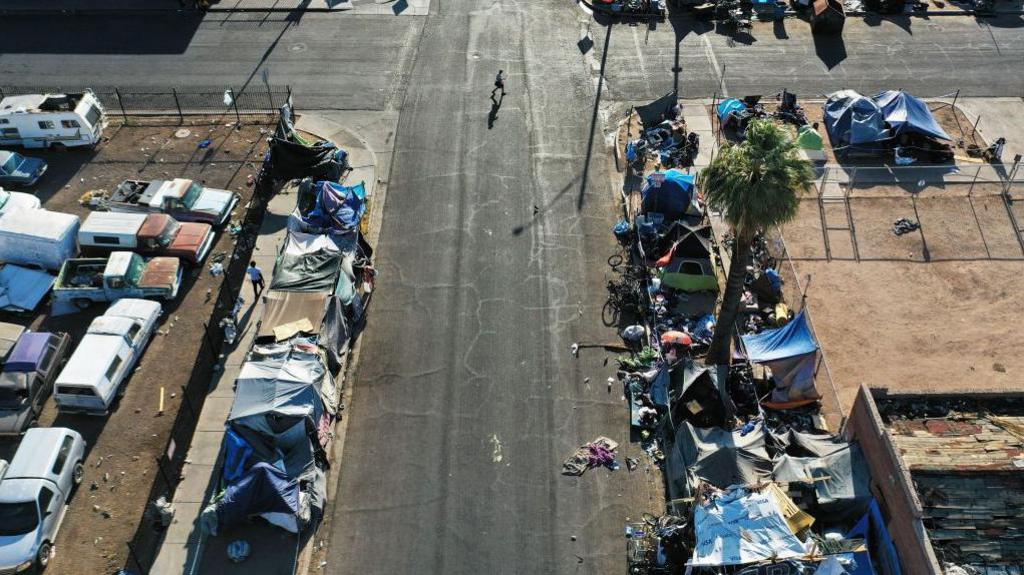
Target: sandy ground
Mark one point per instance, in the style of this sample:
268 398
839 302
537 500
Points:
935 310
123 446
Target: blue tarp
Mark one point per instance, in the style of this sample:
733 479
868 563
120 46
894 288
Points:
263 489
905 113
21 289
729 106
854 120
338 207
236 453
793 339
872 528
671 197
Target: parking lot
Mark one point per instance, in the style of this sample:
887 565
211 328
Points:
124 446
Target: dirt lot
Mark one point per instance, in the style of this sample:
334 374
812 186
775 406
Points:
123 447
936 309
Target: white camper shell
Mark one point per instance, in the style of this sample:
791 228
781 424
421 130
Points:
108 352
52 120
38 238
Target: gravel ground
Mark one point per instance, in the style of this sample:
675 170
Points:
123 447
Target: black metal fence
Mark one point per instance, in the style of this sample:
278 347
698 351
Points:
144 545
250 99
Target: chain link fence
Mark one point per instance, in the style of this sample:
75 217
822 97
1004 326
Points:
251 99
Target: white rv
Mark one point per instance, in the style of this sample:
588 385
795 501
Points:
52 120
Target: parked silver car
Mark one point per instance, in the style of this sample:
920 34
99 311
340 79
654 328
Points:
34 494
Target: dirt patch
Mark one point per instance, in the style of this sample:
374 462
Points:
124 446
934 309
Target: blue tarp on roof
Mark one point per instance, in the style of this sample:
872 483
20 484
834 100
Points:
21 289
906 113
793 339
670 197
263 489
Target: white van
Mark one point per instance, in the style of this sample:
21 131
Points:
38 238
52 120
108 352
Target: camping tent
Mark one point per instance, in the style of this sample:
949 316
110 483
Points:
698 395
688 266
808 138
266 491
907 114
670 193
790 352
854 120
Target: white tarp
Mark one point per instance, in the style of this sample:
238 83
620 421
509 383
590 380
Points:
740 526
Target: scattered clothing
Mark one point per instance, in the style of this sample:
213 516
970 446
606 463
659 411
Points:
904 226
600 452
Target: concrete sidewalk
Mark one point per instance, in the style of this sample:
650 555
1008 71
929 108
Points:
184 549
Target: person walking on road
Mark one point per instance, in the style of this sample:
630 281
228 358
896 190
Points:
499 83
256 277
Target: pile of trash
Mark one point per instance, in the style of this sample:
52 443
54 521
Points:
667 144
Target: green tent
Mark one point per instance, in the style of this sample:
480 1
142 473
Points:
690 268
808 138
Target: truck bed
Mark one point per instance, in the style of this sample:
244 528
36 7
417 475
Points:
86 273
129 191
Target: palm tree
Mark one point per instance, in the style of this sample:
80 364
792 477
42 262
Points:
754 184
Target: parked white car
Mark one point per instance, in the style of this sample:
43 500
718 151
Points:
34 493
101 363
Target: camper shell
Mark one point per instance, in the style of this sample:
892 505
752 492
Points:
38 238
10 201
52 120
186 200
83 281
148 234
108 352
34 494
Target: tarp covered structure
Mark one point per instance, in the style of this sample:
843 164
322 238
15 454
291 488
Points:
840 480
908 114
337 208
854 120
307 263
697 394
717 456
292 157
790 352
284 309
741 526
671 193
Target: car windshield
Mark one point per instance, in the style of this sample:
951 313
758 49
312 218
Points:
170 230
135 269
191 195
92 116
12 398
18 518
11 164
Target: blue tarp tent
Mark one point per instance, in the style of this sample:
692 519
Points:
790 352
905 113
670 193
338 208
728 106
854 120
264 490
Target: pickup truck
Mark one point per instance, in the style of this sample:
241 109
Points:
10 201
27 378
147 234
83 281
34 494
103 360
184 200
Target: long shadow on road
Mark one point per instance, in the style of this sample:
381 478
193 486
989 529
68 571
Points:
593 120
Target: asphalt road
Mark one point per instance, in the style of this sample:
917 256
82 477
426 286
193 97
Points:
355 62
